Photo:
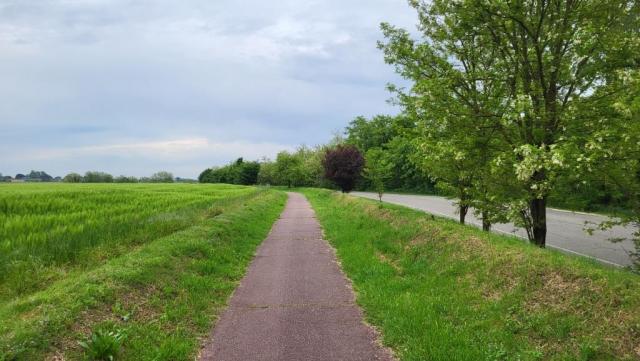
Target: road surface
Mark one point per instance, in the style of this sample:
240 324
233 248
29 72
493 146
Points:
294 303
565 229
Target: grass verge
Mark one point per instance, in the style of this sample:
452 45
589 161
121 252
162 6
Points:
442 291
154 302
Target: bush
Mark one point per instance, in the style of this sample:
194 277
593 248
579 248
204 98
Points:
343 165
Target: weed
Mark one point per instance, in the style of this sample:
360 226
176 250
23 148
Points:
103 344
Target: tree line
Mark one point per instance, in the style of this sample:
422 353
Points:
102 177
511 106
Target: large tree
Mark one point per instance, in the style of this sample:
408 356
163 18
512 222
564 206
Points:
546 57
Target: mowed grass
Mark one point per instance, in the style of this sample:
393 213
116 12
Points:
442 291
155 263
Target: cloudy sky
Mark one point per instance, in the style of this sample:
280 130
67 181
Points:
136 86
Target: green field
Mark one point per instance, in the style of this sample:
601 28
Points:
151 264
439 290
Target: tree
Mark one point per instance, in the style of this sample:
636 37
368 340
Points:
394 135
72 178
162 177
608 148
97 177
547 57
248 173
125 179
377 170
452 102
237 172
343 166
39 176
288 169
267 173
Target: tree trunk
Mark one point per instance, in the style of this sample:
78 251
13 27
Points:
486 223
538 208
463 213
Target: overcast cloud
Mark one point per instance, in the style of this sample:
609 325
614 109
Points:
133 87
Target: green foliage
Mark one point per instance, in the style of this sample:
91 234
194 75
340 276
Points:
72 178
377 169
162 177
238 172
103 345
394 135
502 90
125 179
293 169
97 177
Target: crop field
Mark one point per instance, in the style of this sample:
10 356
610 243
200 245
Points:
75 258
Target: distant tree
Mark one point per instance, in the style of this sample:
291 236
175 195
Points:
395 135
267 173
204 176
125 179
72 178
20 176
289 170
162 177
39 176
343 165
248 173
97 177
377 169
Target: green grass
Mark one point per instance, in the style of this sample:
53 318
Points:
48 229
442 291
150 283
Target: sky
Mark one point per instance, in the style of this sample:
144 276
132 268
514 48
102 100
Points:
137 86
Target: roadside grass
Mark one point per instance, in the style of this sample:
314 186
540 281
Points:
439 290
152 301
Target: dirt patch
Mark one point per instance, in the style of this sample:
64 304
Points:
386 260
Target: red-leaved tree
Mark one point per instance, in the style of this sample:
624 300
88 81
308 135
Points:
343 165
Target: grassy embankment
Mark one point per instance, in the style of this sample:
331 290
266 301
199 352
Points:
442 291
149 265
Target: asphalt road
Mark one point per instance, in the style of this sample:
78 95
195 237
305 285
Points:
294 303
565 229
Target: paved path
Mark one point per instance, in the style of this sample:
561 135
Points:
294 303
565 230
